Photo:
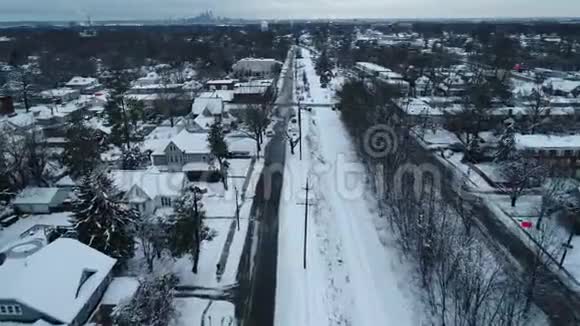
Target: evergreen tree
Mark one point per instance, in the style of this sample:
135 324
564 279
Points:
132 158
219 149
100 220
187 230
82 152
324 68
152 305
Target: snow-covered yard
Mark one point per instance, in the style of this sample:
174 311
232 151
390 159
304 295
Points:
352 277
35 223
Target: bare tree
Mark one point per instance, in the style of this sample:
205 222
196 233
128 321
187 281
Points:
255 120
520 174
152 239
537 109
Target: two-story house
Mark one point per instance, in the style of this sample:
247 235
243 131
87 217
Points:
148 191
58 284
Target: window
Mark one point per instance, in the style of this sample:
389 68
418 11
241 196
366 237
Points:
165 201
10 310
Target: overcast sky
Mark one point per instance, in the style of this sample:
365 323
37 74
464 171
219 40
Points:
71 10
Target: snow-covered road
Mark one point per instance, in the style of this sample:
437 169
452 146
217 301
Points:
351 277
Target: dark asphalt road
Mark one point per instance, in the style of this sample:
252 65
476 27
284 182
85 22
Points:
257 272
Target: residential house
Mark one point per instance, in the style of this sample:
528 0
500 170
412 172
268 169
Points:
61 95
207 106
148 191
86 85
40 200
369 69
562 87
257 68
560 152
185 147
454 85
60 283
254 92
189 151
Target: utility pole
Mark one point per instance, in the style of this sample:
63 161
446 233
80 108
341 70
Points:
307 188
300 128
237 208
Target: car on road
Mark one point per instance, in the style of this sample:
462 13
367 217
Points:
269 133
294 120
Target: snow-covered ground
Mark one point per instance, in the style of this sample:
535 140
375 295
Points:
193 311
16 231
351 278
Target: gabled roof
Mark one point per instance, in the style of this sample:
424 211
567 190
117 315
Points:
35 195
82 81
49 280
152 183
212 105
191 143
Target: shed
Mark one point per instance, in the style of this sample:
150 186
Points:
39 200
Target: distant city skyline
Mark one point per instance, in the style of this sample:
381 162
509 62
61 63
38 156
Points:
79 10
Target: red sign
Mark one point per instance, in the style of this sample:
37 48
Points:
526 224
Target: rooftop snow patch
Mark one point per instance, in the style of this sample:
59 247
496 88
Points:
35 195
49 281
154 184
547 142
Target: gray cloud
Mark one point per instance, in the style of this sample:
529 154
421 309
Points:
70 10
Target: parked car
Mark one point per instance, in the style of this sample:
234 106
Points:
8 220
269 133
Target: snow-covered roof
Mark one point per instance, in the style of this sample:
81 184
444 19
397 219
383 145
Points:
256 65
58 92
36 195
190 142
58 280
121 288
369 66
20 120
221 81
538 141
390 75
413 106
153 183
213 105
226 95
563 85
82 81
66 181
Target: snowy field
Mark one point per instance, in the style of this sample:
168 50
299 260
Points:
351 277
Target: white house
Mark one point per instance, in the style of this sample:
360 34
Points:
62 95
60 283
148 191
185 147
40 200
84 84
